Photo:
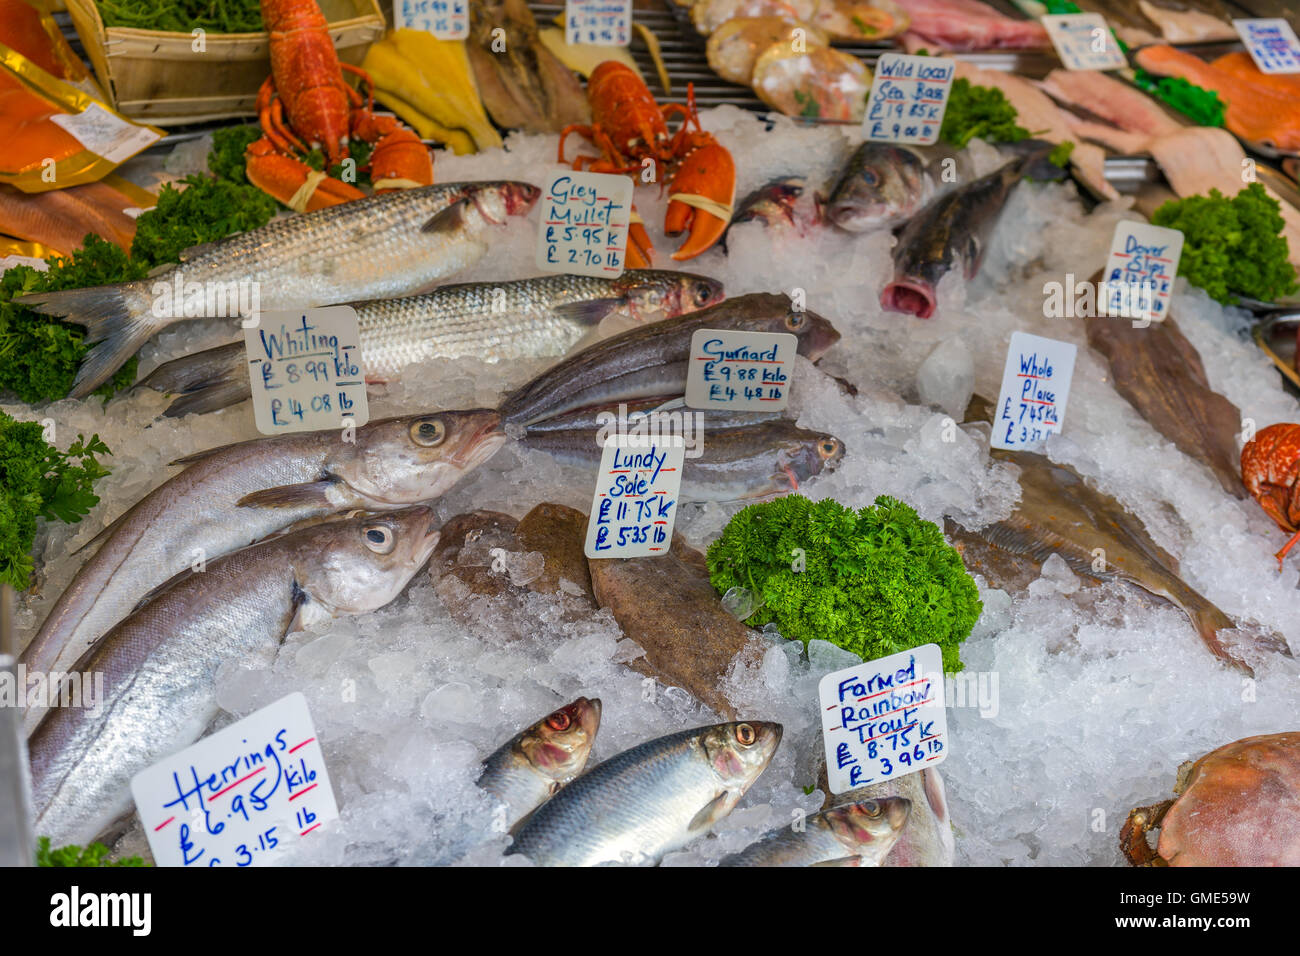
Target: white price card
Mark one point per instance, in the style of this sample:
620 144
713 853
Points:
584 223
1083 41
884 719
635 504
600 22
240 796
105 133
306 370
1035 385
445 19
1139 278
1272 44
908 98
739 370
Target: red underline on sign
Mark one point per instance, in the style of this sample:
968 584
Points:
1026 375
301 792
888 689
935 757
703 358
774 399
308 830
163 824
235 784
661 522
886 733
301 745
656 549
1035 401
929 101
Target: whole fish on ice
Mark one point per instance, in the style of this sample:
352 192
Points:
851 834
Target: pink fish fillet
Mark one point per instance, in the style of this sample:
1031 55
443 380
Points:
969 25
1112 100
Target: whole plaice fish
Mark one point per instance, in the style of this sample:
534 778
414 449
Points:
230 497
159 666
852 834
648 801
651 360
951 233
494 321
771 204
881 185
532 766
387 245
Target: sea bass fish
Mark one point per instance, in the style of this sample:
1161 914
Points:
651 360
495 321
230 497
159 666
771 204
852 834
880 186
532 766
648 801
948 234
387 245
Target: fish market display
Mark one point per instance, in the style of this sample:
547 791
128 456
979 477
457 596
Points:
642 804
968 25
529 318
230 497
160 663
651 360
392 244
851 834
532 766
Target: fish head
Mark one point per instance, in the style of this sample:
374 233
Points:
415 458
558 745
881 185
362 563
664 293
738 752
816 334
498 201
869 827
806 455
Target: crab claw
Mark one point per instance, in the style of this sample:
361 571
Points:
701 198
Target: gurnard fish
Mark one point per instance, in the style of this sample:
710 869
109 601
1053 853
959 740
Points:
651 800
651 360
951 233
494 321
852 834
381 246
159 666
532 766
232 496
771 204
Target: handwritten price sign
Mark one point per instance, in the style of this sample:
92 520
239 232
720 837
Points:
908 98
635 504
445 19
602 22
1140 271
1035 386
239 796
584 224
1272 44
884 718
1083 41
306 370
749 371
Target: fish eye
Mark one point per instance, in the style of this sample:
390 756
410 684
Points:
703 293
558 721
794 321
871 808
379 538
827 447
745 734
429 432
869 177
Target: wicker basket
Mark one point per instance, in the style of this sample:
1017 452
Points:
158 78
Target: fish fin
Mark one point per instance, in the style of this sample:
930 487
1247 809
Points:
110 322
193 252
713 811
589 312
154 592
841 861
289 496
191 372
211 399
207 453
159 269
450 219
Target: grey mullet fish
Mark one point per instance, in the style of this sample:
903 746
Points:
853 834
651 360
650 800
388 245
532 766
529 318
230 497
159 665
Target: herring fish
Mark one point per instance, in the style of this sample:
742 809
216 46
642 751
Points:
387 245
230 497
651 360
495 321
159 665
648 801
851 834
532 766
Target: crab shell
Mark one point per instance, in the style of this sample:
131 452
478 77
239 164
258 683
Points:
1238 806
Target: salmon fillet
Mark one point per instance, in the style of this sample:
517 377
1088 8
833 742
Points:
1241 66
61 218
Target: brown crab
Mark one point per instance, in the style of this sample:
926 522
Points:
1236 806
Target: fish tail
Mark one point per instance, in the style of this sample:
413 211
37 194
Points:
1209 621
203 382
116 317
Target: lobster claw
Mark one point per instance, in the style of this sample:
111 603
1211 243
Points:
640 250
701 197
292 182
399 159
